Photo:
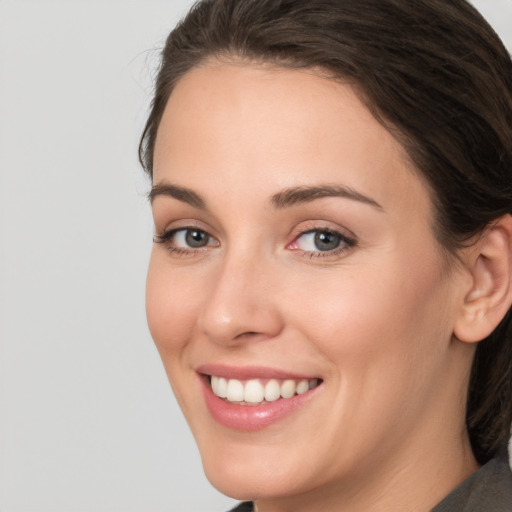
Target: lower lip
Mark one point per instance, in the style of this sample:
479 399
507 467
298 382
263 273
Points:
251 417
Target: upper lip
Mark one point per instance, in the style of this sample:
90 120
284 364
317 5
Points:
249 372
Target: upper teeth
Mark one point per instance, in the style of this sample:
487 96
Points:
254 391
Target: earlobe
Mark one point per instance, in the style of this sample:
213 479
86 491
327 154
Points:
490 295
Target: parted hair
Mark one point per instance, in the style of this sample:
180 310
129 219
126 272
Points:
436 75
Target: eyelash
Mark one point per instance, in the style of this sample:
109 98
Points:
167 236
346 242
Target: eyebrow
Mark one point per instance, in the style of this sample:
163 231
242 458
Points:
306 194
183 194
284 199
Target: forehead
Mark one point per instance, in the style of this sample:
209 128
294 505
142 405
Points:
274 127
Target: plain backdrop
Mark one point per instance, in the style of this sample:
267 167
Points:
88 422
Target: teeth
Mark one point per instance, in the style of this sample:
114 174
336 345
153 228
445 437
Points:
219 386
222 388
255 392
272 390
302 387
214 383
235 392
288 388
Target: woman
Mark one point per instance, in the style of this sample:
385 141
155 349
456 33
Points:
330 285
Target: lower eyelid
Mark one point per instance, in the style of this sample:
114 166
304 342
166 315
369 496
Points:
335 253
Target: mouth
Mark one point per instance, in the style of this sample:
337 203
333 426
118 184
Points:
250 399
254 392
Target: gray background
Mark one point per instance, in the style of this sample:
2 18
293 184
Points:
87 418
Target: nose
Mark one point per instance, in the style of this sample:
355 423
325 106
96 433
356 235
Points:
241 304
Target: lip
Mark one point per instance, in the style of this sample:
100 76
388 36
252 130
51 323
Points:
249 372
250 417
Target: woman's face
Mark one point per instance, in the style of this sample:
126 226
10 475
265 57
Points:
297 258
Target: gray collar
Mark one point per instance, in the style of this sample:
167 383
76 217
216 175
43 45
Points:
487 490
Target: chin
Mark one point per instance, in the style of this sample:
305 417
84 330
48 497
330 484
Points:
250 481
256 472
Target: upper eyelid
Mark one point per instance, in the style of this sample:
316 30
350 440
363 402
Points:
178 225
346 238
297 231
326 230
167 232
166 237
321 225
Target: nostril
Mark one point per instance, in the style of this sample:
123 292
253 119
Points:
248 334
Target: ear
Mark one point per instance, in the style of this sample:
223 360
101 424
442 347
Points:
489 262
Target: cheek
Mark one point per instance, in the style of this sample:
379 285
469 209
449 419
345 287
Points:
386 353
171 305
380 324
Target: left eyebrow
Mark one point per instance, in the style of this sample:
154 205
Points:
299 195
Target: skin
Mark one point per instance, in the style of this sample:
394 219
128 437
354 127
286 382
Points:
375 320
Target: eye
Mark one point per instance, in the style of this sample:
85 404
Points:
186 239
321 241
193 238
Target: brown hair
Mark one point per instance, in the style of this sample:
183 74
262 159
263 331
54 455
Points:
435 74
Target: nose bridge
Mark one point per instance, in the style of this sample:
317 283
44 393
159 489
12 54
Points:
240 301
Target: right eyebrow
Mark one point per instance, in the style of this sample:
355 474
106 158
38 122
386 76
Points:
183 194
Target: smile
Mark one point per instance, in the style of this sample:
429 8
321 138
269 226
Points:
259 391
253 398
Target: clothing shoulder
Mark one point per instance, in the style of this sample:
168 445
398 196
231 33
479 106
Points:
246 506
489 489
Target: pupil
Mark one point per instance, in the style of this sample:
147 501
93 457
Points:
196 238
326 241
